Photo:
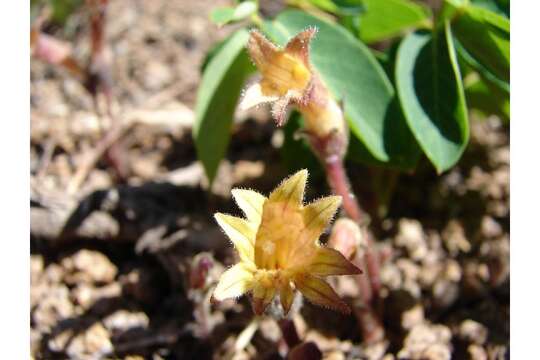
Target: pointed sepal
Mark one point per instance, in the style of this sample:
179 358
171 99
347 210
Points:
320 293
262 297
298 46
260 49
291 190
286 296
328 262
279 110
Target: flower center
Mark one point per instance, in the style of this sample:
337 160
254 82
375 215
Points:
271 278
284 73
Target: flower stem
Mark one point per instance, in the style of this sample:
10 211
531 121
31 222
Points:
339 181
369 286
289 332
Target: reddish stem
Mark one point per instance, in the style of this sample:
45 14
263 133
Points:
369 286
289 332
337 177
340 184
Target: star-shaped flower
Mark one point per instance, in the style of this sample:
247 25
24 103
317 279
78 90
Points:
287 77
286 73
279 249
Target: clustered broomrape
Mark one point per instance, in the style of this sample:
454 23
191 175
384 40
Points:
279 250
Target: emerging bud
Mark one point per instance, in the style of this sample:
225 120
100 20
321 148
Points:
53 51
198 274
279 249
346 238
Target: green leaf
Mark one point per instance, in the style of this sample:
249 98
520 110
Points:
486 38
469 62
213 51
501 7
217 96
355 77
225 15
404 150
431 95
349 7
221 16
351 23
340 7
488 99
388 18
326 5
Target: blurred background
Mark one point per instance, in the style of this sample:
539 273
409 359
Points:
124 248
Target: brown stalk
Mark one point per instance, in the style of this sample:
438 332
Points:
298 349
289 332
339 181
369 285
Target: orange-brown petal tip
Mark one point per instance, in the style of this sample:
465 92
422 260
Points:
320 293
260 48
299 45
328 262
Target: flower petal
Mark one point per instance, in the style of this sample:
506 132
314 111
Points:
280 227
299 45
260 49
253 96
234 282
241 233
291 190
262 297
320 293
328 261
281 223
286 296
318 215
279 109
251 203
315 218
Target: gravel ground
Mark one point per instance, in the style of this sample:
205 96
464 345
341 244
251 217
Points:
125 284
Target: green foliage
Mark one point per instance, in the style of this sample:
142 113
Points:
361 85
388 18
402 99
349 7
431 94
488 99
485 37
225 15
340 7
501 7
469 62
218 94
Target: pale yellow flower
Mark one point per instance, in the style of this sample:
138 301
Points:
286 73
278 247
287 77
